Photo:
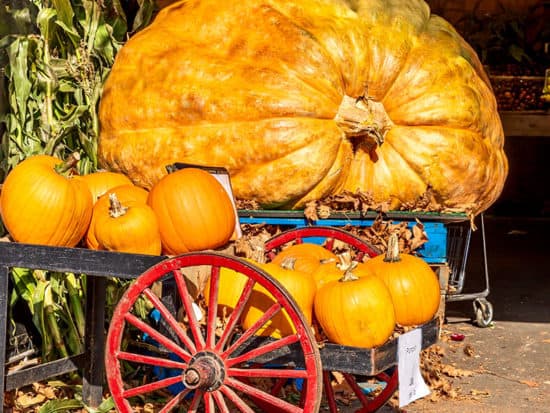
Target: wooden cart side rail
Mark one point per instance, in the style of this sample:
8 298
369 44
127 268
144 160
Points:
75 260
95 264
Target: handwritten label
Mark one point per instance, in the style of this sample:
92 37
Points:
411 383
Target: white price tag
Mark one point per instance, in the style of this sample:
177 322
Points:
411 382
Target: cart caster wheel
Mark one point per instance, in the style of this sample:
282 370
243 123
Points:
483 310
327 236
189 359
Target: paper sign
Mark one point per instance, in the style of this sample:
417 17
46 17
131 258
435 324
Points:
411 382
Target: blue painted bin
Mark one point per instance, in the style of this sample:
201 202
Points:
435 251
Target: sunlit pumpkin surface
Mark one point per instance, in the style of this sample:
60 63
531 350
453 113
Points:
303 99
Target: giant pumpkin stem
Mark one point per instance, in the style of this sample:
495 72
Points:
392 254
363 117
115 207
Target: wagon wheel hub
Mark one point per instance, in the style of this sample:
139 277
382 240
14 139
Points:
205 372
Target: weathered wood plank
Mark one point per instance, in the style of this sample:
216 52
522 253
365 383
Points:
525 124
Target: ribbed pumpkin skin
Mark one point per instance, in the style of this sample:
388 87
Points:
199 86
299 285
124 193
101 181
413 285
40 206
308 257
194 211
136 231
355 313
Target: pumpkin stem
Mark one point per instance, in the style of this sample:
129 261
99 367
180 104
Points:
115 207
288 263
392 254
65 168
363 117
348 276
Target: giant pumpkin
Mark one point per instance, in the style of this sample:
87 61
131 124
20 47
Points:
303 99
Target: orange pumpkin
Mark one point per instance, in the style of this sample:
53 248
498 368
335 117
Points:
413 285
101 181
307 256
355 311
42 203
194 211
125 193
320 97
130 228
298 284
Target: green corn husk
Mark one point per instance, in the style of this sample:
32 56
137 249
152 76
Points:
57 54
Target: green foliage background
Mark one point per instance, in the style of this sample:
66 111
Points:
54 58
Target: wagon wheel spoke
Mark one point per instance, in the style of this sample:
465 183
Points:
152 361
268 373
212 307
175 401
262 350
220 402
264 397
150 387
157 336
236 400
170 319
268 315
235 315
188 307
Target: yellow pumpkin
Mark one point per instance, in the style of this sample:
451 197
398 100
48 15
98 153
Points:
413 285
43 203
320 97
355 311
298 284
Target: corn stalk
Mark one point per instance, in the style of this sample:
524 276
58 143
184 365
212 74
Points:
55 56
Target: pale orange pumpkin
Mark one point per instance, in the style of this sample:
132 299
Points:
298 284
320 97
194 211
413 285
130 228
355 311
125 193
101 181
42 202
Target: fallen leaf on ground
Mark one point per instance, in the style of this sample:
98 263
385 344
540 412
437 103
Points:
530 383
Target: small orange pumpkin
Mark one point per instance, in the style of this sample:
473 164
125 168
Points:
125 193
308 256
43 202
298 284
413 285
355 311
194 211
130 228
101 181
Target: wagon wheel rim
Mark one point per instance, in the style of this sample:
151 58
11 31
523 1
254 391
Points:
388 378
214 370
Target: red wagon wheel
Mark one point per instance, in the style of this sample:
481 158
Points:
198 364
388 380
